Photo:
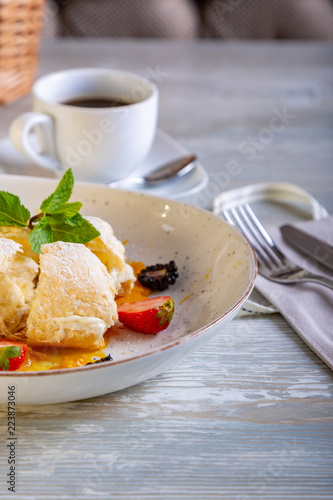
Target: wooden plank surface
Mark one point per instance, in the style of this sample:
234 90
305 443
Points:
249 415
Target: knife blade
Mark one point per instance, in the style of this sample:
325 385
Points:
309 245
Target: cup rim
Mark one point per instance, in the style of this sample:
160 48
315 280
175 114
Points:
98 71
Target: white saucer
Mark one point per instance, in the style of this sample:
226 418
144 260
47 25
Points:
164 149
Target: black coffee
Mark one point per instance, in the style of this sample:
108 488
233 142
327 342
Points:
96 102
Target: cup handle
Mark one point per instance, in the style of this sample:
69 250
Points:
19 134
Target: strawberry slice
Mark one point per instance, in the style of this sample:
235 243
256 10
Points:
148 315
12 355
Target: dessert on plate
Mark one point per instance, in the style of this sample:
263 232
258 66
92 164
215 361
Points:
68 298
60 277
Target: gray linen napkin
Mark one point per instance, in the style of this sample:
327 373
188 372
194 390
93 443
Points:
307 307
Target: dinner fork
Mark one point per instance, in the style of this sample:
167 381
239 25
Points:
272 263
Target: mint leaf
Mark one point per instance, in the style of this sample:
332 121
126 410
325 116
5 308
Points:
68 210
7 353
61 195
41 234
56 220
77 220
12 212
75 234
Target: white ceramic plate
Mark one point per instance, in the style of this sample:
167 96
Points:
164 149
217 269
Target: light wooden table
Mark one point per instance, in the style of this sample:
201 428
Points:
250 415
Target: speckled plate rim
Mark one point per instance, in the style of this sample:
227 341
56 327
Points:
186 338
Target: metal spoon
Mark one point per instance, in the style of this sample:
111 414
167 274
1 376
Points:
176 168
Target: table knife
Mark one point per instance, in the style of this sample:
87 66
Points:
309 245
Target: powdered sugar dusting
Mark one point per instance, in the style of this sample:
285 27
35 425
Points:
73 282
8 250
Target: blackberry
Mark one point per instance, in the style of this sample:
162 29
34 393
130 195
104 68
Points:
159 277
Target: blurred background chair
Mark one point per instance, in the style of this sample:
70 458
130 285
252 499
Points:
123 18
184 19
302 19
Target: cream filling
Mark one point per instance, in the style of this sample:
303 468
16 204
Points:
115 275
122 277
14 296
89 325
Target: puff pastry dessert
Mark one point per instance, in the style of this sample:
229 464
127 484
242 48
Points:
17 287
74 303
21 236
111 253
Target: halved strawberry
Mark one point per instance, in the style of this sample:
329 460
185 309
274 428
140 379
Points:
12 355
148 315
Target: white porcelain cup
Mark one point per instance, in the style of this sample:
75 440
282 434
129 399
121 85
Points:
99 144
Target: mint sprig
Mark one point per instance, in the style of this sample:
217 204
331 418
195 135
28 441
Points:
58 219
7 353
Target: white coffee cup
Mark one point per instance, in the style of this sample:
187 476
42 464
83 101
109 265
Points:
99 144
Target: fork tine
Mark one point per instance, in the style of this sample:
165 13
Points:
258 236
234 219
227 217
264 233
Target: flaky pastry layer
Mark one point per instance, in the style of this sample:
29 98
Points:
17 287
74 303
111 252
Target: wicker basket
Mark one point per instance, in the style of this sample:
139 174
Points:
20 28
